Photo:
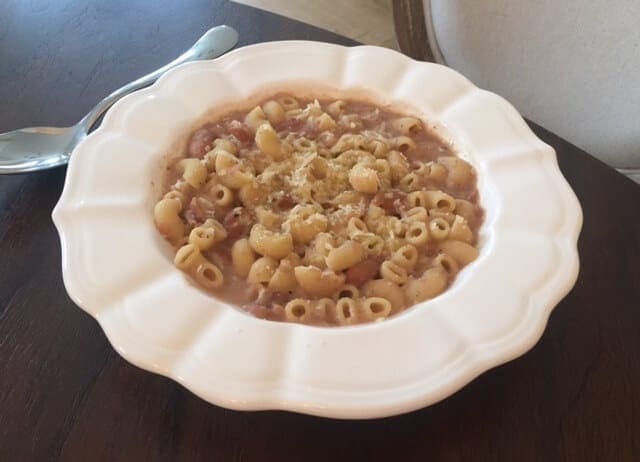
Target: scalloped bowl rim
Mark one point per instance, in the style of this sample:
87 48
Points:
488 130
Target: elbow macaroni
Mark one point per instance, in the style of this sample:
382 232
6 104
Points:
268 142
167 219
270 243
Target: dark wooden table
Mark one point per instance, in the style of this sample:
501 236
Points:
65 394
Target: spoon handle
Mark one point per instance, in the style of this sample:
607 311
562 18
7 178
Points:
215 42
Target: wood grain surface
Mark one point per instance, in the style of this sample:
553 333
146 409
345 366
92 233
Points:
66 395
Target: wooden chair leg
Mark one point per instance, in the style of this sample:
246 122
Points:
411 30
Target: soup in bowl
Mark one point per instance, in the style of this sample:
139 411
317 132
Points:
320 211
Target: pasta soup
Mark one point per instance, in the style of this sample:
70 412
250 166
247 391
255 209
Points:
324 212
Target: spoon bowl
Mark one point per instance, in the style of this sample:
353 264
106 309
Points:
40 148
37 148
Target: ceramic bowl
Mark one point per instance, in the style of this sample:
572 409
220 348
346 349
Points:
119 269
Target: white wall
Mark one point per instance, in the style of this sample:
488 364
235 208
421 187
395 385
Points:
571 65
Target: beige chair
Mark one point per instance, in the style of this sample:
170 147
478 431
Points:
573 66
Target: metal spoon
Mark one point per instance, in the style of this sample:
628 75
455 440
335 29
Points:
40 148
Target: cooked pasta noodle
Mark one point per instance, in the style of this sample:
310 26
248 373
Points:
297 309
376 308
346 311
439 228
209 275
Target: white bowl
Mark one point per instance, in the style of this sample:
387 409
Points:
118 269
